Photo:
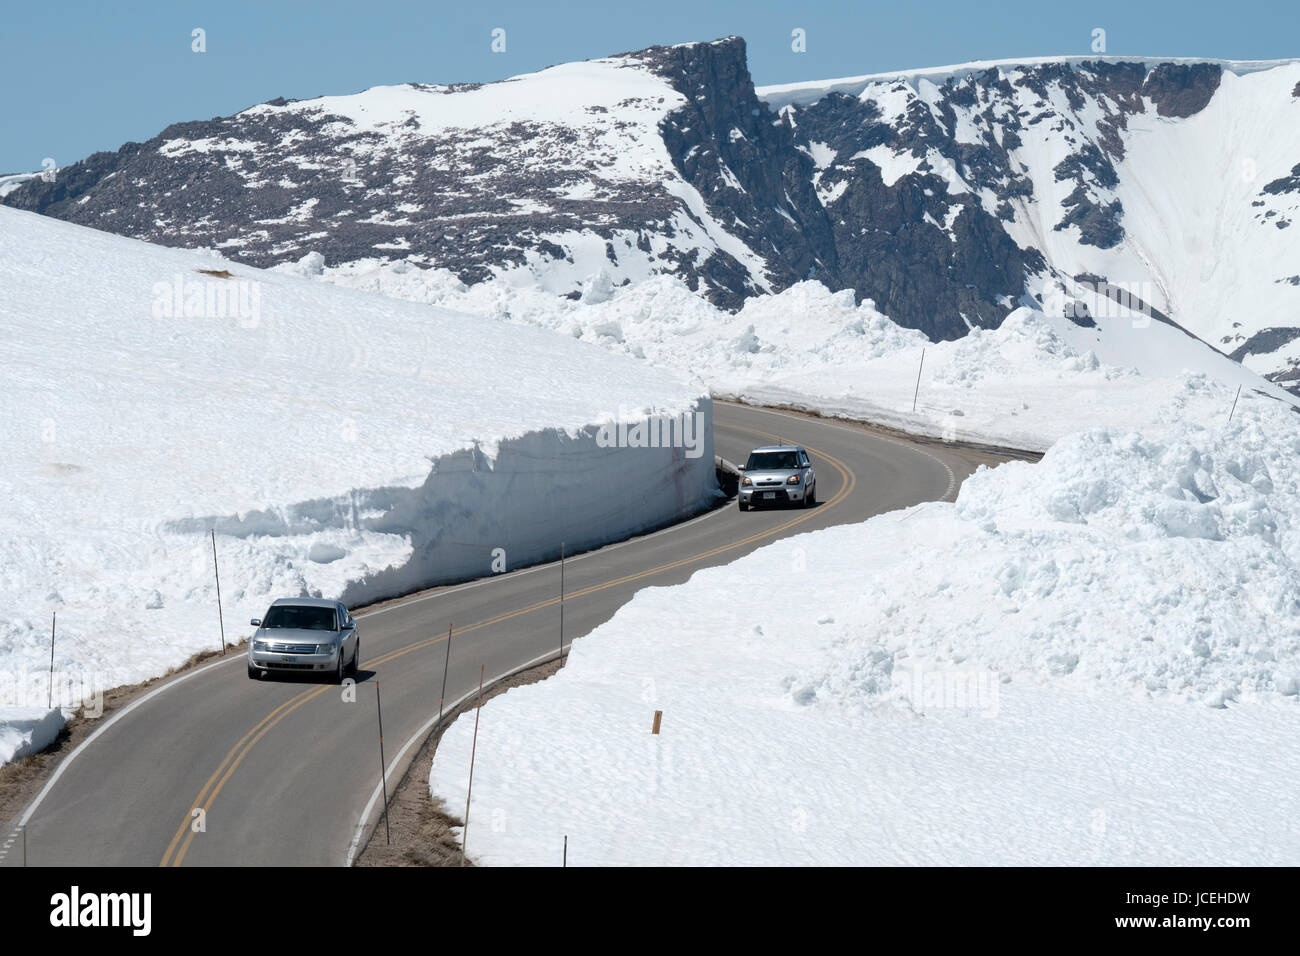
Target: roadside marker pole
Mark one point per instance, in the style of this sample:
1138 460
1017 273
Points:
447 663
918 380
1234 402
50 700
217 573
566 849
464 837
561 603
383 773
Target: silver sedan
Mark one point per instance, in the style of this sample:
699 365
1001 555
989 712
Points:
305 635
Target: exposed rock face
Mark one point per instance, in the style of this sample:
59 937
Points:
1181 90
945 196
1285 184
1265 342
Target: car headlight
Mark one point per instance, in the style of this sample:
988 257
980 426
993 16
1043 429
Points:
793 480
324 648
745 481
259 645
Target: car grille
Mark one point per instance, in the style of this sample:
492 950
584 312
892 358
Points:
292 648
284 666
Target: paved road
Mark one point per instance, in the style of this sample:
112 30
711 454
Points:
284 770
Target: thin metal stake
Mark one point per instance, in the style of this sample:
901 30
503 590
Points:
445 665
464 837
217 573
1234 402
561 603
383 771
918 380
49 703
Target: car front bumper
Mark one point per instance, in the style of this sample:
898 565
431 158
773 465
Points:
781 494
285 661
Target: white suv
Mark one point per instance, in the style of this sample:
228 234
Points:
777 475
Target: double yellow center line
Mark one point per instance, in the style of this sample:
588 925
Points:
180 842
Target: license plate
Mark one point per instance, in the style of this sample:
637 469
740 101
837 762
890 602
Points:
769 494
287 660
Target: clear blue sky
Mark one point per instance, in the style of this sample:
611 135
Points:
82 76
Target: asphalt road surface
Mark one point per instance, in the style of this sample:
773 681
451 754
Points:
285 771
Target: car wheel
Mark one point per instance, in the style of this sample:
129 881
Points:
342 670
741 503
810 499
253 672
356 658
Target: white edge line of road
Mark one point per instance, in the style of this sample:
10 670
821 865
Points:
378 793
419 735
140 701
64 764
441 592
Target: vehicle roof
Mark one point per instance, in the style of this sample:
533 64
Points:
304 602
779 448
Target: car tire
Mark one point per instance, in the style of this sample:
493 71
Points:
810 499
341 671
741 503
253 673
356 659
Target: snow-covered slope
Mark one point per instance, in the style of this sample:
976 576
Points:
1025 384
338 442
1090 660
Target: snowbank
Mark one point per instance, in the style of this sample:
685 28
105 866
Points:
28 730
1021 677
339 443
11 182
1025 384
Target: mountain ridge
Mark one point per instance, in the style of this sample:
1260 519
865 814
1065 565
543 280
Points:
946 195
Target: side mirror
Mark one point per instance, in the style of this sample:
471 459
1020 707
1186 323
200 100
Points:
740 468
256 622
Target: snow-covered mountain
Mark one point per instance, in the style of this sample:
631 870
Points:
944 195
1169 185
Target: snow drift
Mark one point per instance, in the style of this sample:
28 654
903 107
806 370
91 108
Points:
1025 384
28 730
1020 677
338 443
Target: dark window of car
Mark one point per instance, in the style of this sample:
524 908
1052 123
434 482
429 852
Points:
302 616
772 461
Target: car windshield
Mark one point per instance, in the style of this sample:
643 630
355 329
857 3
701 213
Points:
772 461
303 617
